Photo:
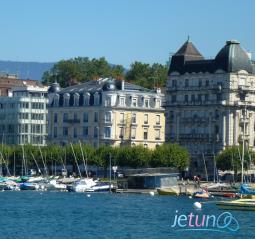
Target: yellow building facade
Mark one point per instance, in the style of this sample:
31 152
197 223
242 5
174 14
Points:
107 112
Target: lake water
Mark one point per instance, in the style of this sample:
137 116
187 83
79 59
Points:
41 215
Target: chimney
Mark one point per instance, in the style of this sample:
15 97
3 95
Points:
122 85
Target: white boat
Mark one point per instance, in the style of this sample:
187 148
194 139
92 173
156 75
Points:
56 185
83 185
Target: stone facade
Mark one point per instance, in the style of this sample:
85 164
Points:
210 104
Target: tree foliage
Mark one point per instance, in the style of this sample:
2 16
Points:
230 159
82 69
168 155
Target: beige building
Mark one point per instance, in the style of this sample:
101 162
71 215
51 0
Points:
106 111
210 103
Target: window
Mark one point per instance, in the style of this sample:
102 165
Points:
145 134
186 99
157 134
121 132
65 117
65 131
157 119
107 132
86 99
66 99
122 101
85 117
206 97
207 83
193 98
186 82
134 102
133 118
55 133
56 100
173 98
76 99
146 119
122 118
108 117
199 98
199 83
133 133
219 97
75 117
174 83
96 98
95 116
55 117
96 129
75 132
108 101
146 103
85 131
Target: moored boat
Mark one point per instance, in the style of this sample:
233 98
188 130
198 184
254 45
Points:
238 204
28 186
201 194
171 191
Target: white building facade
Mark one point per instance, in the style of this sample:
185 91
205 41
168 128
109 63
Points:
23 116
210 104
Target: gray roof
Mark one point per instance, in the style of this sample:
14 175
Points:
231 58
101 85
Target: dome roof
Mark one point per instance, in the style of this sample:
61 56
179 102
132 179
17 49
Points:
55 87
232 58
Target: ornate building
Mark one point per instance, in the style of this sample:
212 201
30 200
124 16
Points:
106 111
210 103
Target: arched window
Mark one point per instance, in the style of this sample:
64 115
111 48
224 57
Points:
86 97
76 98
96 98
66 99
56 100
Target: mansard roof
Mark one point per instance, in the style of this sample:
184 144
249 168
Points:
231 58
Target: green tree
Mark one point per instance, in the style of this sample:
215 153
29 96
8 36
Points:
170 155
230 159
148 76
81 69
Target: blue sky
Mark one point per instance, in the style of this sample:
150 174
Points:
121 31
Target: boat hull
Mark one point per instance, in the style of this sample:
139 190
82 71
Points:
240 204
168 191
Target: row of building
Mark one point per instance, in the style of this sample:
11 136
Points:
209 104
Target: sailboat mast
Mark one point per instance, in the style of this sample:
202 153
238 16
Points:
75 159
85 163
244 118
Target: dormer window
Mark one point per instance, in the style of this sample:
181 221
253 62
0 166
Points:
76 99
56 100
96 98
86 98
66 99
146 103
122 101
134 102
